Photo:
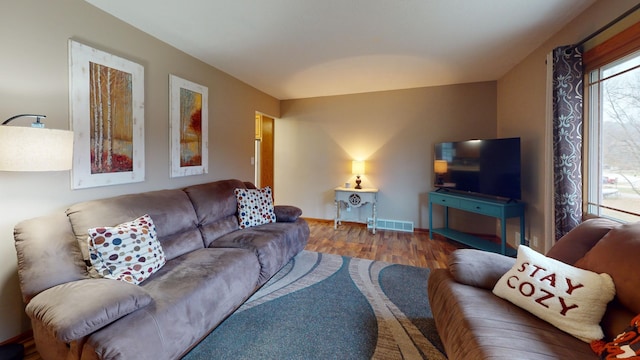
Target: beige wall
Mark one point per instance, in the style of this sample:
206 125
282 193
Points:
522 104
34 78
394 131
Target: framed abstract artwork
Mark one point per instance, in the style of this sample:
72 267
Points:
188 127
107 117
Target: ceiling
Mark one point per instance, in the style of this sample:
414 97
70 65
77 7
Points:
307 48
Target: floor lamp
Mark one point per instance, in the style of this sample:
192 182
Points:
32 148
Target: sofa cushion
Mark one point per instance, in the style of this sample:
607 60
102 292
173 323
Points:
171 210
129 252
621 243
255 207
215 205
474 324
478 268
572 299
191 294
76 309
575 244
274 244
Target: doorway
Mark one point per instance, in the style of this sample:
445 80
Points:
264 165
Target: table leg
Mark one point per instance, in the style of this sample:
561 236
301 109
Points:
503 235
335 221
430 220
375 218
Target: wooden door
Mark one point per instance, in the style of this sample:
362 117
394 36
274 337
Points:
266 151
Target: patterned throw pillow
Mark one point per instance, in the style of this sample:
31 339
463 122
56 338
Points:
129 252
571 299
625 346
255 207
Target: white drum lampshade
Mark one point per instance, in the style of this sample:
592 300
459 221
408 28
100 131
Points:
35 149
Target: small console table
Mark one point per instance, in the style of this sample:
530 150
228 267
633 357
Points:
494 208
356 198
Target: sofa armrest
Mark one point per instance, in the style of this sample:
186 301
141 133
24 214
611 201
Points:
287 213
478 268
76 309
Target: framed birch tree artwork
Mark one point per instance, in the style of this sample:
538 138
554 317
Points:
107 117
188 127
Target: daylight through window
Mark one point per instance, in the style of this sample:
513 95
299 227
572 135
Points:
613 165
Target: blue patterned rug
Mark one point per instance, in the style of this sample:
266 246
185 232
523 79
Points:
322 306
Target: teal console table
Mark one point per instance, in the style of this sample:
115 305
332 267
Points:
502 210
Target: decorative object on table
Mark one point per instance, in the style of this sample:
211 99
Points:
107 116
34 148
440 168
188 127
357 169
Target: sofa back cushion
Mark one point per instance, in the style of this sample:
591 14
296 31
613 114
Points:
171 211
216 207
617 254
576 243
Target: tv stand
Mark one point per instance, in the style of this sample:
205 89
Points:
502 210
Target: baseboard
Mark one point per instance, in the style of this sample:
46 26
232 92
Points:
26 336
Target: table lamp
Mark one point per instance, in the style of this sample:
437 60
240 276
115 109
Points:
357 169
440 168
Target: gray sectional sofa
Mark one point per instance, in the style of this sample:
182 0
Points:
212 266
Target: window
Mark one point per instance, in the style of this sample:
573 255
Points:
613 135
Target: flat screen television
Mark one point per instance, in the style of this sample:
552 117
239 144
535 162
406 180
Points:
489 167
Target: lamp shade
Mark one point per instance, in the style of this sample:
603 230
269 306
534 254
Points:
440 166
357 167
35 149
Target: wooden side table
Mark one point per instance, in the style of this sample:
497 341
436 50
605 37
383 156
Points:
356 198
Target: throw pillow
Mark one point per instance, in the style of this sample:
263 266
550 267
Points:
129 252
255 207
573 300
625 346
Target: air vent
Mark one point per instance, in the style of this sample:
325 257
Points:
395 225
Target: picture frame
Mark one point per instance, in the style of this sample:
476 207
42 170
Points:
188 127
106 103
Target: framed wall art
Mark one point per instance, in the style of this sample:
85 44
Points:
188 127
107 117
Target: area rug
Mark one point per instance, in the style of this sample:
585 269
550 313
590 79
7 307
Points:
322 306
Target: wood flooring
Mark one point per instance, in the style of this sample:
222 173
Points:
354 240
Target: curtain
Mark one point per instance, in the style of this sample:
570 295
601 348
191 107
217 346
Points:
567 138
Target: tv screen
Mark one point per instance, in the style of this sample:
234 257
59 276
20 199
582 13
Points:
486 167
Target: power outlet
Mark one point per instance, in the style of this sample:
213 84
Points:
535 241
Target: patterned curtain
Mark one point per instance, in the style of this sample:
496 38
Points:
567 138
